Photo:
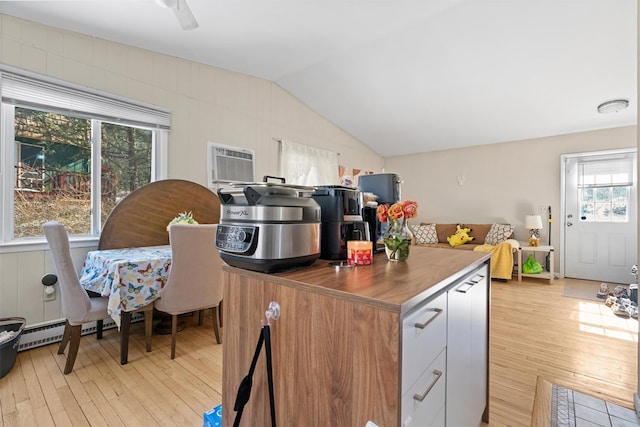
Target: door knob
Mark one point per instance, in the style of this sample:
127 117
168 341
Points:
569 224
569 216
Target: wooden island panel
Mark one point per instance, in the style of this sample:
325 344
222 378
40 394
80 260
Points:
322 376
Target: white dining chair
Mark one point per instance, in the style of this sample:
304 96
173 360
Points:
194 279
77 307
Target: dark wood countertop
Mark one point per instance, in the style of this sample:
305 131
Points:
392 286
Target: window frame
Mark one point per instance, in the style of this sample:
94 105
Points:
159 154
620 172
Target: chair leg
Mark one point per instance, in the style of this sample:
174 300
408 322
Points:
200 316
65 337
99 326
220 312
216 323
148 328
125 323
174 333
76 334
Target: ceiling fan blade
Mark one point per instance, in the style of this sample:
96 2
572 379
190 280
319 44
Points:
185 17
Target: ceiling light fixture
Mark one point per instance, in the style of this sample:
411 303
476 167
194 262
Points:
613 106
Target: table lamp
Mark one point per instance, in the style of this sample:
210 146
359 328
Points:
533 223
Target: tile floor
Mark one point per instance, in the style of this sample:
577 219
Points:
570 408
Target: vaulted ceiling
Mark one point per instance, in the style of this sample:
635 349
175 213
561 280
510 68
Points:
402 76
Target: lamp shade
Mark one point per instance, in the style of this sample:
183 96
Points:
533 222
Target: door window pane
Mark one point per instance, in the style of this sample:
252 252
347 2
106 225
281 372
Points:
603 195
603 212
606 204
586 211
619 212
586 195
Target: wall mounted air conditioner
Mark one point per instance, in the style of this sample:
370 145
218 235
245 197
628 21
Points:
227 164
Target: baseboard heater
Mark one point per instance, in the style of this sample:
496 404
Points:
48 333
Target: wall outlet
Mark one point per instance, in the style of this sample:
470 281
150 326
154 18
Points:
49 293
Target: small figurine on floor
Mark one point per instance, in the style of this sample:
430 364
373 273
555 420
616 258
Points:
603 291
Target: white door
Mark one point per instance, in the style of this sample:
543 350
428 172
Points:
600 216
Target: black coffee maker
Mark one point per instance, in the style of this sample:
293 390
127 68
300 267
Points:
341 220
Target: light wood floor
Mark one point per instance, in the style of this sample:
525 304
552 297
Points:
575 343
534 332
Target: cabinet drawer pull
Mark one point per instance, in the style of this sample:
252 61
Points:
431 319
466 289
421 397
477 278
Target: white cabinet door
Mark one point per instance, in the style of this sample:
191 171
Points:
467 351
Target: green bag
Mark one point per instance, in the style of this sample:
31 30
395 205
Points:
531 266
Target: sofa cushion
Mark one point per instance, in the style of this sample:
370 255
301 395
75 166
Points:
499 233
424 234
479 232
444 231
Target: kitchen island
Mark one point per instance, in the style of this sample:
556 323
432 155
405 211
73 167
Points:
371 343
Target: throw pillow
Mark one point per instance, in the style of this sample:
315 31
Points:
425 234
498 233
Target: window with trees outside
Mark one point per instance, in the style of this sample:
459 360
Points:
71 155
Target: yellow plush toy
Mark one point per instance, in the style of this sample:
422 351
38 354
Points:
461 237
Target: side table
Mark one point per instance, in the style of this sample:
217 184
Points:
544 274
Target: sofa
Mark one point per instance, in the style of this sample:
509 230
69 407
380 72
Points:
493 238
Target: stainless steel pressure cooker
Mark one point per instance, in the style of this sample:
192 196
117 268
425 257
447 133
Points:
268 227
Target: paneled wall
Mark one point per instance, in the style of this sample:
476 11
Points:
21 289
207 104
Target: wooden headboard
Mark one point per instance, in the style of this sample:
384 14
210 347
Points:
141 218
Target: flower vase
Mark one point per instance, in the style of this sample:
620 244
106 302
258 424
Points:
397 241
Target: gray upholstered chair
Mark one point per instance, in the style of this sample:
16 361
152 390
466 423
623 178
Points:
194 279
76 304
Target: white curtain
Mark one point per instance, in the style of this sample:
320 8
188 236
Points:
304 165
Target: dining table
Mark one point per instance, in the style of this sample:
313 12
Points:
131 278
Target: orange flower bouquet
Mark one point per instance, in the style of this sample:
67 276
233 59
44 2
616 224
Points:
397 239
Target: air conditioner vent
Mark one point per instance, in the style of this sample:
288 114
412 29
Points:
229 164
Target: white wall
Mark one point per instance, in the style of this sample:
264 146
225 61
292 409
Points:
207 104
501 182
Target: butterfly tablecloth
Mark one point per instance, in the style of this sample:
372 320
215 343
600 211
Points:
131 278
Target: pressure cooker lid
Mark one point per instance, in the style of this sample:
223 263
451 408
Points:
265 193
